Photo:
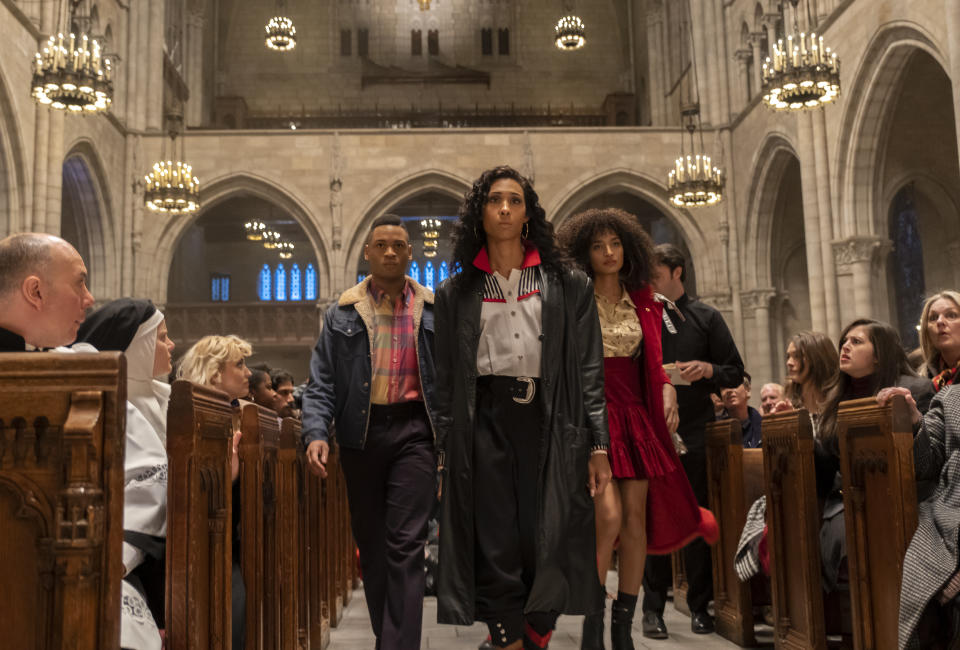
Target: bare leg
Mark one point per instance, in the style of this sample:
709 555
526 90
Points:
608 514
633 534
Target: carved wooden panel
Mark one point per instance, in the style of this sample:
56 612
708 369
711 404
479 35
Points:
335 547
880 502
62 419
288 521
199 554
793 531
318 562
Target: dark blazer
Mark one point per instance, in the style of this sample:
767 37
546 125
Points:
575 418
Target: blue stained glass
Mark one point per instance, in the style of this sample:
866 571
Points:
444 272
281 282
263 289
360 277
310 290
428 276
225 288
295 282
215 289
457 268
414 271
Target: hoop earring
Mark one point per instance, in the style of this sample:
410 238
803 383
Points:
525 230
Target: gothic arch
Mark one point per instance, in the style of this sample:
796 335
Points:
14 212
864 128
84 183
653 191
220 189
399 190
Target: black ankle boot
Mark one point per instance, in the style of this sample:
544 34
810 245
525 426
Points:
592 632
621 623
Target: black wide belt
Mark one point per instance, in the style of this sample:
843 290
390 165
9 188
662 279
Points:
521 390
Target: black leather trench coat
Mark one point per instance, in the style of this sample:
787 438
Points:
575 418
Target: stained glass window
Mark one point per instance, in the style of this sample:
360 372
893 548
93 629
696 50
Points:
225 288
906 260
310 288
263 288
444 272
414 271
281 282
215 288
360 277
295 282
428 275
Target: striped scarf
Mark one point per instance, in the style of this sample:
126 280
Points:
946 377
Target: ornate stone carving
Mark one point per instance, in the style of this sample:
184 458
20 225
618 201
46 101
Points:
743 56
859 249
336 191
756 299
719 301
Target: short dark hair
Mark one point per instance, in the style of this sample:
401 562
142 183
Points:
671 257
21 255
258 375
280 376
387 220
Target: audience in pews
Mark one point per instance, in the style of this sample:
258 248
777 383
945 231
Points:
770 394
650 504
812 366
138 329
736 403
220 362
696 339
283 386
261 388
940 338
43 292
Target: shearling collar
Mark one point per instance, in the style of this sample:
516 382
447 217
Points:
359 292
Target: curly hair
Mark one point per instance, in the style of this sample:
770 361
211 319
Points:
469 236
577 234
206 359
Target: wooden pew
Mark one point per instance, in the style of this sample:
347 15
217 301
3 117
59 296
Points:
288 526
62 419
318 562
303 538
793 519
335 509
880 508
199 501
258 456
735 481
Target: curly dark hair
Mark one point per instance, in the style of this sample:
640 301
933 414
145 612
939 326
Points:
469 236
576 235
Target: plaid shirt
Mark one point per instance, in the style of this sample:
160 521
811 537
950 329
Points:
396 374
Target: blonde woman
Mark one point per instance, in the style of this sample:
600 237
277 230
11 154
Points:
940 338
221 362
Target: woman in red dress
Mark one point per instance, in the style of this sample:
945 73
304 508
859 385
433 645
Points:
652 508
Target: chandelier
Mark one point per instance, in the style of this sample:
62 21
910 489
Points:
431 236
281 34
571 34
271 239
286 250
171 185
70 72
424 5
802 73
254 230
694 181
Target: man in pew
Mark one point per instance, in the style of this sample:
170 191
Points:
372 372
770 394
698 342
736 401
43 292
284 387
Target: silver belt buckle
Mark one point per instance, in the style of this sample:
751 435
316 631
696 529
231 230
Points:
531 390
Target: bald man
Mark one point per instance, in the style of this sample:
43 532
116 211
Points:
43 292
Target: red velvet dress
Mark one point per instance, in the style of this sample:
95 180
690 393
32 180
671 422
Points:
640 445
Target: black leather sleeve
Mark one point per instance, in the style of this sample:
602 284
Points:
590 349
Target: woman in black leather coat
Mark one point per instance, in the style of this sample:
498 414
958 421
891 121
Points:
521 421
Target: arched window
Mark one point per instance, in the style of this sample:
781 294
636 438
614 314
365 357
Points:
280 281
310 290
906 262
414 271
263 290
428 275
295 282
444 272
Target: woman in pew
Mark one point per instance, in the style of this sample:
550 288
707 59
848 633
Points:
940 338
650 505
136 328
811 372
930 588
221 362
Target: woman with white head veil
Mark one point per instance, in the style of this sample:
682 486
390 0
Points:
137 328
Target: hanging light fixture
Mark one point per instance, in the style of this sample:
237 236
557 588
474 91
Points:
802 73
171 185
424 5
255 230
571 33
431 235
70 72
271 239
286 249
281 34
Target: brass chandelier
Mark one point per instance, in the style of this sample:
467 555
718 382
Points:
570 33
70 72
171 185
802 73
431 236
254 230
281 34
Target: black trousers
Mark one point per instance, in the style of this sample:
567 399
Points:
658 575
391 486
506 449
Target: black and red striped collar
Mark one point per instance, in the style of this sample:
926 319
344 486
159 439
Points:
531 257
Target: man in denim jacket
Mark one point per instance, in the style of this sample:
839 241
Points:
372 373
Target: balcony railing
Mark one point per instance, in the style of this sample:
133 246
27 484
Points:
262 323
435 119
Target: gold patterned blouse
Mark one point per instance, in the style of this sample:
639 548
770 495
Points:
619 326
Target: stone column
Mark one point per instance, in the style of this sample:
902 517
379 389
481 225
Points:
811 222
722 80
41 139
154 70
760 353
770 26
141 58
756 38
953 38
193 66
953 251
743 60
824 209
658 59
698 28
858 254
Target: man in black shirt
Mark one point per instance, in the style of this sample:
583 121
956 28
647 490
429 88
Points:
697 340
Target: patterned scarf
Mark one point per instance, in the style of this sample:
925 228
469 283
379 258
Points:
946 377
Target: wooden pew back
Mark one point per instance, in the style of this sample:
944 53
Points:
880 504
288 526
318 562
199 554
793 519
62 419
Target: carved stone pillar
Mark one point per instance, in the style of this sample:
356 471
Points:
862 257
744 57
759 355
770 26
54 173
825 213
756 39
953 38
193 67
811 222
658 59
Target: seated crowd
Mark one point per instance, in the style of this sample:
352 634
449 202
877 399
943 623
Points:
43 304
